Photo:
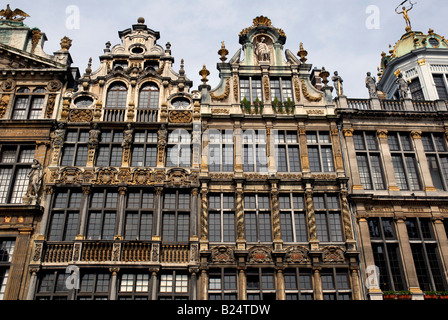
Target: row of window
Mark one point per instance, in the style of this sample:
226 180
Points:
425 252
220 150
223 285
139 213
404 160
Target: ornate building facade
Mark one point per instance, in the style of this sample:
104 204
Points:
126 183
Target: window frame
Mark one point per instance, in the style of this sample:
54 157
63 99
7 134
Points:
284 143
260 225
224 232
148 146
320 145
28 107
176 228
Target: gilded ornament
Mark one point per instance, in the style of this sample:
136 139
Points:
224 95
13 15
307 94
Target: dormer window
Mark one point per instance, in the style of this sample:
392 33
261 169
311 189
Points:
120 65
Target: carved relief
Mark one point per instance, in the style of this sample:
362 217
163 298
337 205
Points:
4 102
332 254
107 176
80 115
70 176
180 116
222 254
297 254
259 254
307 95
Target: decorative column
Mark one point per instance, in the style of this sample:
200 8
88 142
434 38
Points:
373 291
305 163
318 295
311 218
442 239
238 148
157 229
389 171
278 243
49 191
351 158
193 283
204 219
16 271
83 211
32 283
354 272
280 286
154 272
203 280
242 283
423 162
347 221
337 151
121 210
113 283
240 227
194 214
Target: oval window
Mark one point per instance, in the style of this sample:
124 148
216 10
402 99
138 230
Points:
180 103
137 50
83 102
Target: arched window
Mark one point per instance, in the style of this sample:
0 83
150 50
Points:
149 97
28 105
116 96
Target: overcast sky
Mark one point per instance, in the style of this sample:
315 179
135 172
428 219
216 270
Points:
347 36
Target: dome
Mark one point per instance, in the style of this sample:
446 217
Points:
413 40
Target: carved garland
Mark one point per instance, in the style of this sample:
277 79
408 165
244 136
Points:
224 95
307 94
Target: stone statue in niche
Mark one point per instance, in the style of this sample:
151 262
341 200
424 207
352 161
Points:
35 178
162 135
94 135
262 50
128 136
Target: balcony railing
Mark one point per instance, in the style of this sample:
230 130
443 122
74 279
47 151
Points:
114 115
425 106
359 104
147 115
392 105
114 251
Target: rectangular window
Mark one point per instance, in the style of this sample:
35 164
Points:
220 156
15 164
287 151
260 284
369 161
144 149
386 253
328 217
336 284
293 218
173 286
250 89
176 217
298 284
222 284
255 151
102 215
110 151
179 149
222 217
320 152
436 151
404 161
257 218
139 215
440 82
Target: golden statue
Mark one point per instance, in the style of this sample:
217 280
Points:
16 15
405 13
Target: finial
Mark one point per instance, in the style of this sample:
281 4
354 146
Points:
141 20
168 48
182 71
223 52
66 43
89 67
204 73
302 53
324 74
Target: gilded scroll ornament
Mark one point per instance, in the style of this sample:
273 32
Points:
224 95
307 95
4 102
